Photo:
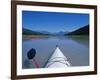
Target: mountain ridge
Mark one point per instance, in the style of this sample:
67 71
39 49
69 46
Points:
31 32
81 31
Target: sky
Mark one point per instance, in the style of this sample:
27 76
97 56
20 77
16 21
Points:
53 21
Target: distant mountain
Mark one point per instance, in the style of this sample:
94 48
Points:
81 31
30 32
45 32
61 33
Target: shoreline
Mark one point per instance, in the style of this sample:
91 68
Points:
34 36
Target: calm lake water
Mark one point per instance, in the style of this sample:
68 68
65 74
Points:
74 47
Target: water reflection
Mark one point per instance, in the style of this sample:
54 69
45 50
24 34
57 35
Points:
27 64
76 48
83 40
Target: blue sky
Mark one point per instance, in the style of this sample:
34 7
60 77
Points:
53 21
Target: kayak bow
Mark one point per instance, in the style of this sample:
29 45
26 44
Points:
58 60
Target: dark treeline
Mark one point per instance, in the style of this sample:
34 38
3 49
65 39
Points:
81 31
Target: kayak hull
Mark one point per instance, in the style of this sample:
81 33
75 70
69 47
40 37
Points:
58 60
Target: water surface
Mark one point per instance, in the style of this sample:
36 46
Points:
74 47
